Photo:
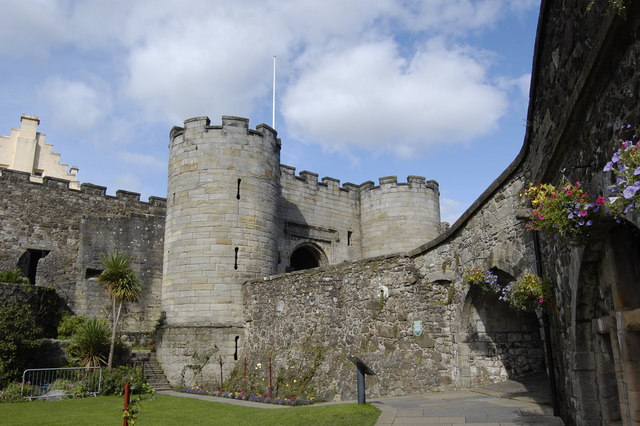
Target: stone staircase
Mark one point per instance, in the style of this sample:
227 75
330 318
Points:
152 370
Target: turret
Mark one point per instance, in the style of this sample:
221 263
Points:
397 217
221 230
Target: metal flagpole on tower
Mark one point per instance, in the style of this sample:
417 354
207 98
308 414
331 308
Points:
273 106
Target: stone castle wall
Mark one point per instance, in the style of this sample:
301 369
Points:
323 213
76 228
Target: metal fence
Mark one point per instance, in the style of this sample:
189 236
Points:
43 383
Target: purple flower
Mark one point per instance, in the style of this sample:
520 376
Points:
637 171
615 157
608 166
630 191
589 222
570 216
628 209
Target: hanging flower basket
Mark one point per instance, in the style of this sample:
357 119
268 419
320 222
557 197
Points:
486 280
565 212
528 293
625 166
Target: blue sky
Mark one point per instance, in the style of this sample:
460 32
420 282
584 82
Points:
435 88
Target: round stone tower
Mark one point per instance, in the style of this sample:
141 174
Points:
221 230
398 217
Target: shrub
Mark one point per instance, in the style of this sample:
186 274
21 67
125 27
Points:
70 325
13 276
113 381
72 388
13 393
19 341
90 344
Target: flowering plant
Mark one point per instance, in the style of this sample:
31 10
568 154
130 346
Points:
625 164
528 293
563 212
486 280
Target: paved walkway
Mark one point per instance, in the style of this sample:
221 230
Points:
522 402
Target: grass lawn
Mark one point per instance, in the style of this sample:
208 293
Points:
168 410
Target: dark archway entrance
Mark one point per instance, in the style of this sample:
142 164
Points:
497 341
305 257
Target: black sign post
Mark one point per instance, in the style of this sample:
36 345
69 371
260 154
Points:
363 369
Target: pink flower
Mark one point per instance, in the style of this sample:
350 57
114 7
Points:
569 192
583 213
600 200
541 300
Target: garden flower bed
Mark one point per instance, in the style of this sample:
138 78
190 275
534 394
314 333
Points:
263 398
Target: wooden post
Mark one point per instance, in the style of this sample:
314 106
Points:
126 404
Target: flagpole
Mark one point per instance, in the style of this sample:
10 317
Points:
273 102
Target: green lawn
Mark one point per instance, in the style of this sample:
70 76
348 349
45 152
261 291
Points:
167 410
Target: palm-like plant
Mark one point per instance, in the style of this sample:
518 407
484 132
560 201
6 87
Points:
90 342
123 286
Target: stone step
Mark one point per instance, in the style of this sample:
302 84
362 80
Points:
153 372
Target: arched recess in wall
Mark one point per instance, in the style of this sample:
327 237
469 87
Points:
497 341
306 256
607 324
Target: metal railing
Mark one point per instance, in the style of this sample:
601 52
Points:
42 383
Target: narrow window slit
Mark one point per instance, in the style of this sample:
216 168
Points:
235 265
238 194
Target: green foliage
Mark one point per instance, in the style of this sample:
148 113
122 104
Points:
119 278
619 5
192 373
69 325
123 286
13 276
90 343
13 393
529 292
76 389
19 341
113 381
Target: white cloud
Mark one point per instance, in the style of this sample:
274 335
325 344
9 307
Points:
450 210
142 161
521 84
369 96
75 104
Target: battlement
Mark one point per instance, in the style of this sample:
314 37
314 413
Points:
230 125
311 180
89 189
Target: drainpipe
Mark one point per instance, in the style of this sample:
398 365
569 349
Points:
547 330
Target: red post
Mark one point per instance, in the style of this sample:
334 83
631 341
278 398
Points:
126 403
270 381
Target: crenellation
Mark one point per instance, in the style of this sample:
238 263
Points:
92 189
127 195
310 177
388 181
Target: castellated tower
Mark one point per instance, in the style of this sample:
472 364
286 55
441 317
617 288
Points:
222 200
398 217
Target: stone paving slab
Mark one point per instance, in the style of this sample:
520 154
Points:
524 402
